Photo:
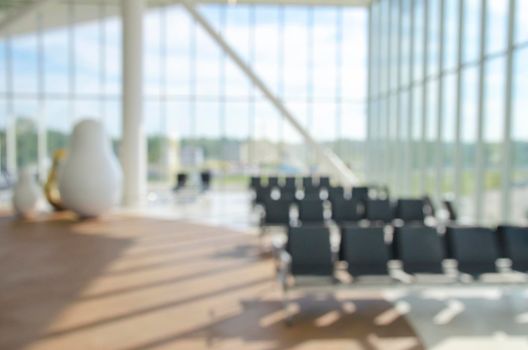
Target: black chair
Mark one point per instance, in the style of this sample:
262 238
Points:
276 212
347 210
290 184
379 210
474 248
410 210
287 194
205 179
310 252
429 208
324 182
420 249
365 251
360 193
255 182
273 181
514 246
311 211
336 193
307 182
262 194
181 181
451 210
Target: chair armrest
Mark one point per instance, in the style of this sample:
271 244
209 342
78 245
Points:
283 268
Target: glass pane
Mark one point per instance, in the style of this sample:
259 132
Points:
469 140
520 139
472 14
87 51
451 31
493 136
433 37
522 19
497 29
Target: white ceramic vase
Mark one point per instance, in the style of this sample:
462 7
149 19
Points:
90 177
26 194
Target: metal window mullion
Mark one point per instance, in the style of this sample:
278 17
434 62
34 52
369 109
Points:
72 89
398 95
387 111
310 80
223 88
42 120
281 74
410 113
252 102
440 108
425 100
373 63
507 147
11 137
193 84
479 165
368 155
102 60
163 90
381 99
458 157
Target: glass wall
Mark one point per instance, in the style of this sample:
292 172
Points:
201 112
467 89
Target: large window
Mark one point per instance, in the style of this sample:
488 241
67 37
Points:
200 110
461 147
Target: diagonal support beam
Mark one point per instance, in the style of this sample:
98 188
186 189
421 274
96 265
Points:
23 13
346 176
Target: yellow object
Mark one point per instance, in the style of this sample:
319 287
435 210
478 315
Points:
51 188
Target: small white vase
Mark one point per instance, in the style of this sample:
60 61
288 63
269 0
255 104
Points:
90 177
26 194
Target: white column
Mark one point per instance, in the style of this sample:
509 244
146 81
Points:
133 145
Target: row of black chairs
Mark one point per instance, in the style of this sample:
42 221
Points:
291 188
182 180
278 212
289 182
420 250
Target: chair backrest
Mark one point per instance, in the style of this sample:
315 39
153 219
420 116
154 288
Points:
347 210
276 212
290 184
310 251
451 210
324 181
181 179
429 208
360 193
307 182
262 194
287 194
379 210
311 211
514 245
420 249
474 248
273 181
254 182
336 193
365 250
410 210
